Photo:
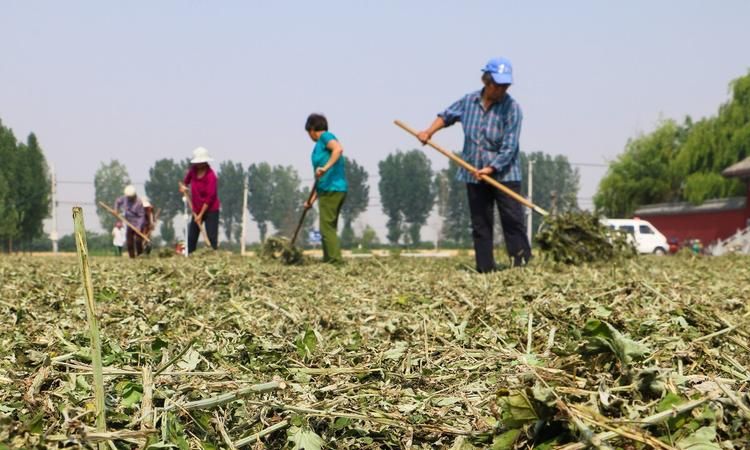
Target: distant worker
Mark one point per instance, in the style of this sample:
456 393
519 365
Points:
132 209
491 121
149 223
330 186
203 184
118 238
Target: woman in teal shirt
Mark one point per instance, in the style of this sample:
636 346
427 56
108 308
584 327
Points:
330 186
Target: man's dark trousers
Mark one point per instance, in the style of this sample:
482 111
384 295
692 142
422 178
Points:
482 199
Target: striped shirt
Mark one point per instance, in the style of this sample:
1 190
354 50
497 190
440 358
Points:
490 137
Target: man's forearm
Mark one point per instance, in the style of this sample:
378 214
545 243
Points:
437 124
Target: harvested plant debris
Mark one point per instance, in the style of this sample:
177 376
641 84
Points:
382 353
579 237
280 248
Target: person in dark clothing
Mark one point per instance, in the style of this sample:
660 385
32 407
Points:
491 121
132 207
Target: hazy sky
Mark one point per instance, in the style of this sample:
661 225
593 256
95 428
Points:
143 80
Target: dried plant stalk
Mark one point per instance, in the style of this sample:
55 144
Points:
96 346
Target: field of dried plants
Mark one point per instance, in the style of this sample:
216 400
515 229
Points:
218 351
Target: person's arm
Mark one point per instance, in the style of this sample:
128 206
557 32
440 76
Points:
211 188
309 202
508 150
336 151
454 113
118 203
199 216
186 182
437 125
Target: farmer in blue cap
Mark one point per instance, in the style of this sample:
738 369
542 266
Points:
491 121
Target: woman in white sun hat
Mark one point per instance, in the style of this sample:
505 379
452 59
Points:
202 181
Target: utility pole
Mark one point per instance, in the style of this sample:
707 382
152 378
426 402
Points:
529 213
53 236
244 216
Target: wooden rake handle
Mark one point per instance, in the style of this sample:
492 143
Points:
304 213
470 168
130 225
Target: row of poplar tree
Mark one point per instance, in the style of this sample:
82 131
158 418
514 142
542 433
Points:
408 186
24 190
409 190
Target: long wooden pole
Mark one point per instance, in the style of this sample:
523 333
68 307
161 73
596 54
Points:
96 346
304 213
119 216
470 168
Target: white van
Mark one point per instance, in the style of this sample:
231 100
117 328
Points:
646 238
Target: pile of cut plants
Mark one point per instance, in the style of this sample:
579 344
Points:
224 352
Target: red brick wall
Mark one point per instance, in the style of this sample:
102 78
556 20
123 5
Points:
707 227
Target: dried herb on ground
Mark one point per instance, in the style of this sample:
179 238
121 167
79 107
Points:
383 353
280 248
579 237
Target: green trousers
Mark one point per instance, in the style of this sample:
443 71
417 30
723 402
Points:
329 205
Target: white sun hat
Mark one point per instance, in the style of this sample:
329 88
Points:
129 191
200 155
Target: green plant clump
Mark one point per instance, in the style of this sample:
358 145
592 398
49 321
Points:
580 237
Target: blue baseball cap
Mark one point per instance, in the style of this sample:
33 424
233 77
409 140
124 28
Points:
500 69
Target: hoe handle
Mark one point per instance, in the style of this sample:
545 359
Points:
122 219
304 213
202 228
470 168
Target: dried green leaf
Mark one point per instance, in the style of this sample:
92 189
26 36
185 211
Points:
304 438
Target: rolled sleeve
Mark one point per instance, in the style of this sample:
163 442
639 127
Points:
508 150
454 113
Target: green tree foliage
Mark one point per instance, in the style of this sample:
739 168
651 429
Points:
705 185
9 199
8 219
357 197
453 207
681 162
259 196
287 200
275 196
717 142
231 184
24 189
552 175
406 193
643 174
109 183
162 190
34 190
369 238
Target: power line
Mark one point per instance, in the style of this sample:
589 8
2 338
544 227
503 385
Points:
90 182
589 164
